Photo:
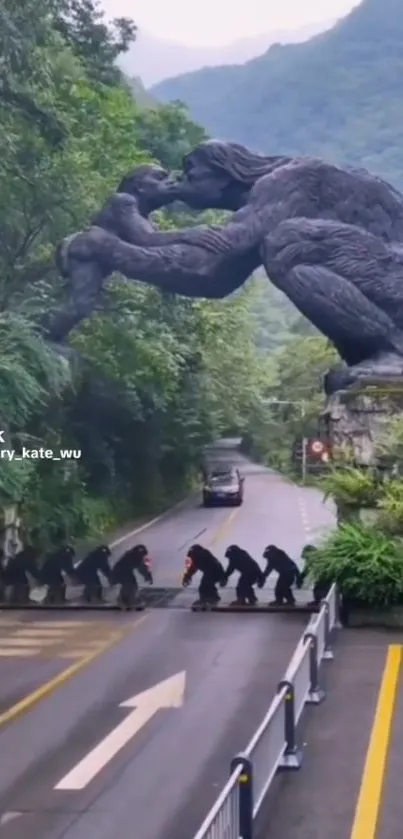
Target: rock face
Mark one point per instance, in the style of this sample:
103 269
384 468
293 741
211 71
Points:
355 419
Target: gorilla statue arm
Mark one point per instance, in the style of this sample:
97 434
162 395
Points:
147 188
221 256
180 269
348 283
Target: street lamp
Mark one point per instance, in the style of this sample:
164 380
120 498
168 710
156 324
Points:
301 405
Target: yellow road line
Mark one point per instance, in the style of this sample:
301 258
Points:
223 529
45 690
74 653
370 795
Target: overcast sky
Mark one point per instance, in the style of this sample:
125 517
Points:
216 22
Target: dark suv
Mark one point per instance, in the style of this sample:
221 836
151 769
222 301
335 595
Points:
223 486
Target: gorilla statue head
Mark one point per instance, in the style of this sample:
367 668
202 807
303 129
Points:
151 185
220 175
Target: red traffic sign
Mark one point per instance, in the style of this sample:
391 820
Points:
317 447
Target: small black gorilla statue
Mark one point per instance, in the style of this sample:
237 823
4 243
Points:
55 564
288 575
15 573
320 588
88 569
250 574
213 574
123 574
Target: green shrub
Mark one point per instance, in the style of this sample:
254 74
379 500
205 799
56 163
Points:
391 508
366 564
352 487
389 444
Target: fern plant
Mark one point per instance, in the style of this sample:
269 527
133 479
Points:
389 445
352 487
366 564
391 508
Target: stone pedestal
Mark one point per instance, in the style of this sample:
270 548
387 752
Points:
355 420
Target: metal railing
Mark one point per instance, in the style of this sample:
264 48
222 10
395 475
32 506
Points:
274 746
223 820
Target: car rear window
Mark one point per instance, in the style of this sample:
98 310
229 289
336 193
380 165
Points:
223 478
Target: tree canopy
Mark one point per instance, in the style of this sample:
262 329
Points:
160 375
337 96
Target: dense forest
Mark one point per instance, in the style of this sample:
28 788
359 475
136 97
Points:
336 96
158 376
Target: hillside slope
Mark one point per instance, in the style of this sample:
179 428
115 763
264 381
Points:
337 96
154 59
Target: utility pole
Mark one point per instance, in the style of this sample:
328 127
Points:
301 404
304 444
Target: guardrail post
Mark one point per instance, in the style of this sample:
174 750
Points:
245 795
292 757
316 693
338 624
328 653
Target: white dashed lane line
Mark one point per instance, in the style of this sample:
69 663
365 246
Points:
304 517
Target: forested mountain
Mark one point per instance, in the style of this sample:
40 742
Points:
338 96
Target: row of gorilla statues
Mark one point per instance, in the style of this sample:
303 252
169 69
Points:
250 573
27 572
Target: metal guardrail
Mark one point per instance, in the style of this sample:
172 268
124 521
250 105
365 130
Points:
274 746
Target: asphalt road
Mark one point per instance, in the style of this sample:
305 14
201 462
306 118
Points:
226 668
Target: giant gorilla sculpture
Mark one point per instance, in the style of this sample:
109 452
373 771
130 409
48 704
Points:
331 239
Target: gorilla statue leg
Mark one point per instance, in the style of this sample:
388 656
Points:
84 293
129 593
208 592
283 591
245 592
366 336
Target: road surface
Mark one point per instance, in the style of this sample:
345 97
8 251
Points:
164 756
351 780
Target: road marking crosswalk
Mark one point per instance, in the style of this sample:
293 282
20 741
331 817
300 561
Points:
52 639
12 653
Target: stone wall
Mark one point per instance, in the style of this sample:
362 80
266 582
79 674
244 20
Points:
355 419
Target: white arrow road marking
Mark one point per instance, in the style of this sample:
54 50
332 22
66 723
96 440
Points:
166 694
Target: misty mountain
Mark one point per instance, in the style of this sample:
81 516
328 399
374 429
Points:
337 96
153 59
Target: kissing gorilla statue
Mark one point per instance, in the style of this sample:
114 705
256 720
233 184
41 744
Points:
331 239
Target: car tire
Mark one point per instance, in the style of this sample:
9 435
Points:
206 502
